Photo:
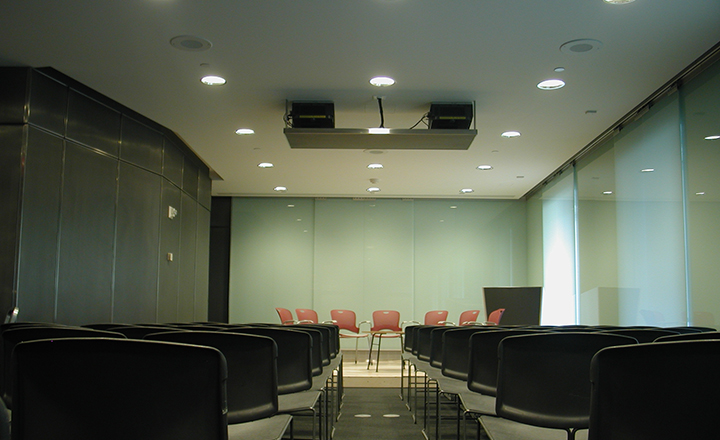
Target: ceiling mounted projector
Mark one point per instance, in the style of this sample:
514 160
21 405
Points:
454 116
312 114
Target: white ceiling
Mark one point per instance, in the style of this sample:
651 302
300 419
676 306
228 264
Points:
493 52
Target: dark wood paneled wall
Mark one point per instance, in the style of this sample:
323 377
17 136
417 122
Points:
88 187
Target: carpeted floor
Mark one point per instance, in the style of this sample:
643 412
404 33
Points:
375 414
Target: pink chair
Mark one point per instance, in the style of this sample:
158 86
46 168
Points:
469 317
286 317
345 320
436 317
494 318
387 320
306 316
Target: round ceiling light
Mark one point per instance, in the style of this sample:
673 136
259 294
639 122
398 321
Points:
618 2
551 84
375 166
190 42
242 131
265 165
585 45
484 167
279 189
511 134
712 138
466 190
382 81
212 80
373 189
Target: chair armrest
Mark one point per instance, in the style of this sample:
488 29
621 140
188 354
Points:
409 322
305 321
332 321
446 323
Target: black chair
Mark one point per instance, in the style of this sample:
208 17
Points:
296 394
252 378
10 338
456 350
139 331
642 335
543 383
117 389
652 391
689 337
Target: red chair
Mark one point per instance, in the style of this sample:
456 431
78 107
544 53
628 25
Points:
345 320
306 316
286 317
385 322
436 317
495 316
469 317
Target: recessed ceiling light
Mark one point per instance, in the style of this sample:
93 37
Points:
712 138
607 193
453 206
244 131
484 167
191 43
511 134
375 166
265 165
582 46
372 151
559 69
551 84
618 2
212 80
466 190
279 189
647 170
373 189
701 193
382 81
291 206
378 130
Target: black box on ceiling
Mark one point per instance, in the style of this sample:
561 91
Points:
313 115
450 116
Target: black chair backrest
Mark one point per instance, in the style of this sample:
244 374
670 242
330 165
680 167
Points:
251 365
423 341
318 349
113 389
409 341
139 331
483 365
334 338
456 350
653 391
543 378
326 345
642 335
10 338
688 337
105 325
294 356
436 346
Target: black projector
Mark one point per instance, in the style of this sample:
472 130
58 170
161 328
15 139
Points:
313 115
450 116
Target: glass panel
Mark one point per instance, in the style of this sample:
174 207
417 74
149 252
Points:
558 219
702 116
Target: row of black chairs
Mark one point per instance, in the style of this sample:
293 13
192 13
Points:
268 374
534 382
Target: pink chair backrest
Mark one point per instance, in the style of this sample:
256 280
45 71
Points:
386 320
307 315
468 316
345 319
495 316
434 317
285 315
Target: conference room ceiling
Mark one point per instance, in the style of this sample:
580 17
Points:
490 52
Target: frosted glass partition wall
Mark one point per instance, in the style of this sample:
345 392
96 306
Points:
702 136
631 224
364 255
